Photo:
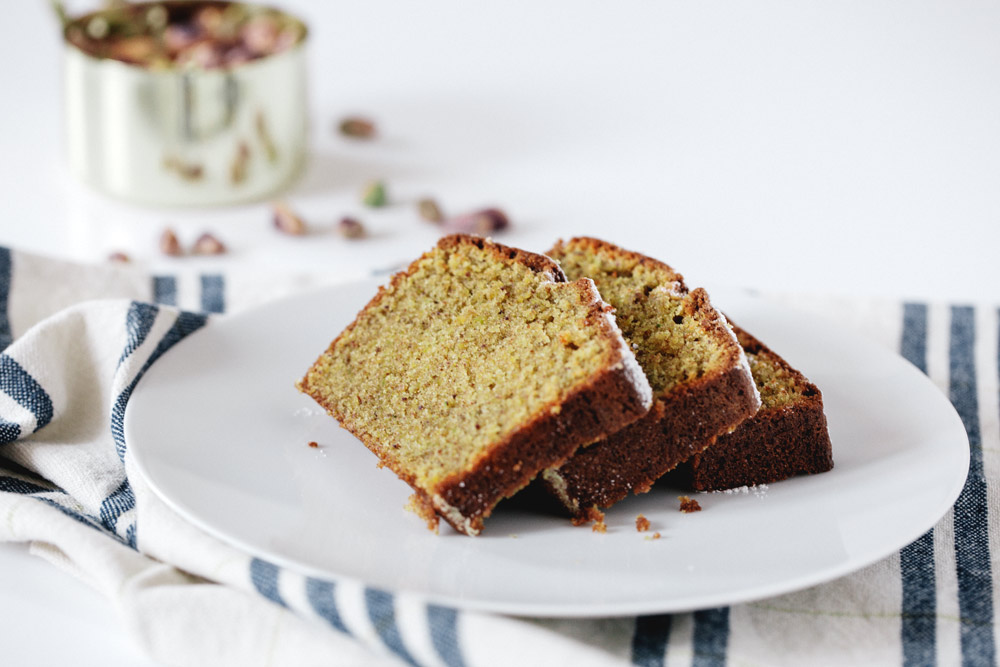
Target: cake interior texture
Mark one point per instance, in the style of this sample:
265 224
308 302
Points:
788 436
457 374
651 306
699 375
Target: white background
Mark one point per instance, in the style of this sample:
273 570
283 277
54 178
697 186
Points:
823 148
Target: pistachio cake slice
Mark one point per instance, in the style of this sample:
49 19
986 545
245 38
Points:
477 367
788 436
702 386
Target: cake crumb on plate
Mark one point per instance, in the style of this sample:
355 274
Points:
689 504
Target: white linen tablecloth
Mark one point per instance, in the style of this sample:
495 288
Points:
77 339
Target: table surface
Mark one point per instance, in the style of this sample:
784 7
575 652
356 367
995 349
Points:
846 148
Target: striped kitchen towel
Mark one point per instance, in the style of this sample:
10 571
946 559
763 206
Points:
77 339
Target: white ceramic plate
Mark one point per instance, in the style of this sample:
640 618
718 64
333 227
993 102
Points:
221 434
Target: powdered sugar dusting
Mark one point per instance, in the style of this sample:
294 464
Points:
759 491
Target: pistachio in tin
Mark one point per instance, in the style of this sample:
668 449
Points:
178 37
205 34
157 17
260 34
209 20
288 37
202 55
137 50
98 27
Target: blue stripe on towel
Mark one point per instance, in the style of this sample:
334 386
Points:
138 322
443 624
322 597
9 431
185 324
85 519
120 501
382 612
650 639
6 269
19 385
711 637
15 485
213 294
918 626
165 290
972 548
264 577
913 342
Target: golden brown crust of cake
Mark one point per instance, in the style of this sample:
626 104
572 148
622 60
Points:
538 263
683 421
597 245
608 401
779 442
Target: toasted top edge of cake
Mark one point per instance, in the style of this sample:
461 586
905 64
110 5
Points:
777 381
471 343
677 335
614 258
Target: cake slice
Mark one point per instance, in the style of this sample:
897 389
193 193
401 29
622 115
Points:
478 366
788 436
701 382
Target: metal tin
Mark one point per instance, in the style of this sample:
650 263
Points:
186 135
